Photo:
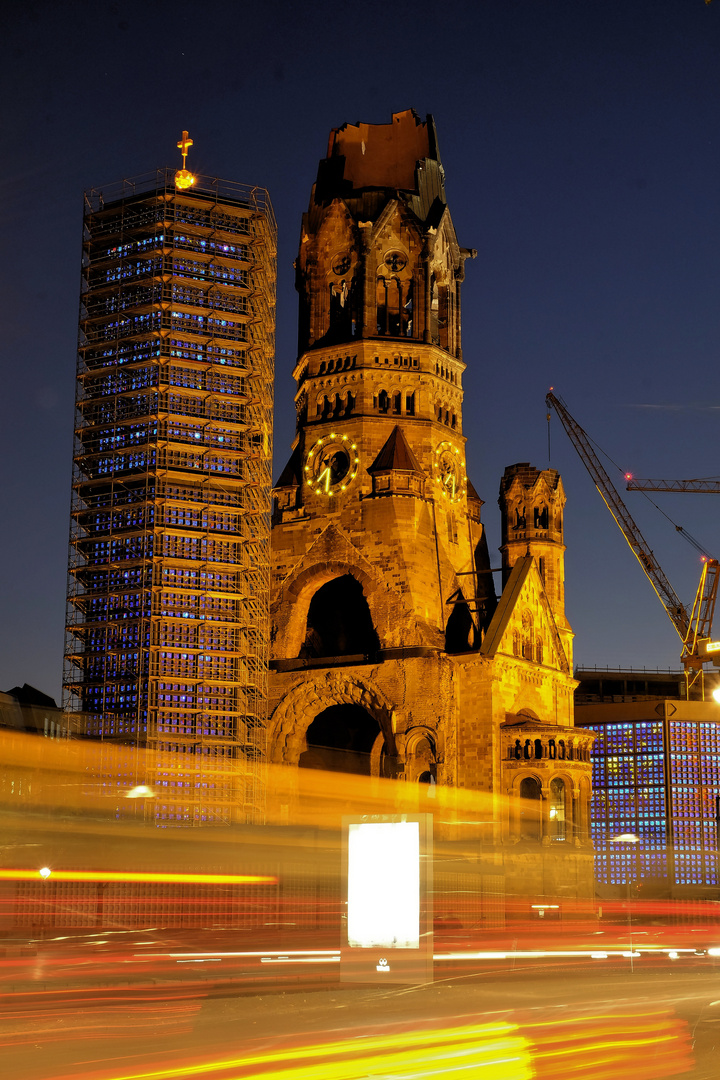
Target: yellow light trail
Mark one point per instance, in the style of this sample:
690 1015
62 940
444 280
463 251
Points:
139 876
647 1045
497 1048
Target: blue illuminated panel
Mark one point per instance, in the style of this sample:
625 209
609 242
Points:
636 778
694 787
629 797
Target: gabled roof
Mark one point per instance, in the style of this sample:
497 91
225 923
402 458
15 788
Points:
509 599
396 456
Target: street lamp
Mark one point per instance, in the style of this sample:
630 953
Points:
628 838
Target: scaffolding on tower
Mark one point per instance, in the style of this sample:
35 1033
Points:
168 629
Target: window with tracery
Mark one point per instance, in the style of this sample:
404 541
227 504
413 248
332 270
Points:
394 307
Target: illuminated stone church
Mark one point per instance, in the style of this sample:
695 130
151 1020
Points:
392 652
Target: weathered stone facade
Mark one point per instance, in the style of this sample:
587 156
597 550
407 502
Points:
392 653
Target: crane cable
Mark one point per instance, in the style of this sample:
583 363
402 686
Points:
700 548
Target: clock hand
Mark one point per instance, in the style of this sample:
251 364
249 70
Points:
325 475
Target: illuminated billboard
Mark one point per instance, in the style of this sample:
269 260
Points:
388 873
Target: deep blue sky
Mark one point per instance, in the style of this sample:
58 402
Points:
581 143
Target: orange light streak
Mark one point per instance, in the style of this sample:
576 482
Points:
140 876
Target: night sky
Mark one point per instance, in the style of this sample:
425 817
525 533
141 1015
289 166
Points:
581 144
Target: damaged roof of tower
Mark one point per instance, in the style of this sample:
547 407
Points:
401 156
384 155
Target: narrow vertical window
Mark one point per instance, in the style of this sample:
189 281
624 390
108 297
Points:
557 809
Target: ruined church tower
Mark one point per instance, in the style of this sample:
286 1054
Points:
391 654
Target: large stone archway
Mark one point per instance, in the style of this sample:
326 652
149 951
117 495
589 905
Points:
297 595
304 703
341 739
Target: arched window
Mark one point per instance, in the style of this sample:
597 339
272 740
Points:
340 739
538 650
422 760
460 629
540 517
583 808
434 312
407 311
557 809
538 748
341 308
384 401
561 749
526 750
527 635
393 312
530 823
410 405
381 305
517 643
552 749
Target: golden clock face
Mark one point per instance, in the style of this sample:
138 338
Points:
449 471
331 464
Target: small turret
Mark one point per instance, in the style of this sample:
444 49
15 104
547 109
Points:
532 504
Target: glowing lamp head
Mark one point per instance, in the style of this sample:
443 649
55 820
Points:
716 694
45 872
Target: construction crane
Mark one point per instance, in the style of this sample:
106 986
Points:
703 487
694 627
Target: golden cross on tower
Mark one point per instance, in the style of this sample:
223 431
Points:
183 178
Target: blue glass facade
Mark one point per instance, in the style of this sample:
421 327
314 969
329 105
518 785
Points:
658 779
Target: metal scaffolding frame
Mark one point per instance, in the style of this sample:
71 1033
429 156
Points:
167 630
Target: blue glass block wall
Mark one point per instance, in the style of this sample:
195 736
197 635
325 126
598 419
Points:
629 797
694 766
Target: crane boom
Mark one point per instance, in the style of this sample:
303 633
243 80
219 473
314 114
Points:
638 545
704 487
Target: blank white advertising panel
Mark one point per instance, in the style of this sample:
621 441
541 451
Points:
389 928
